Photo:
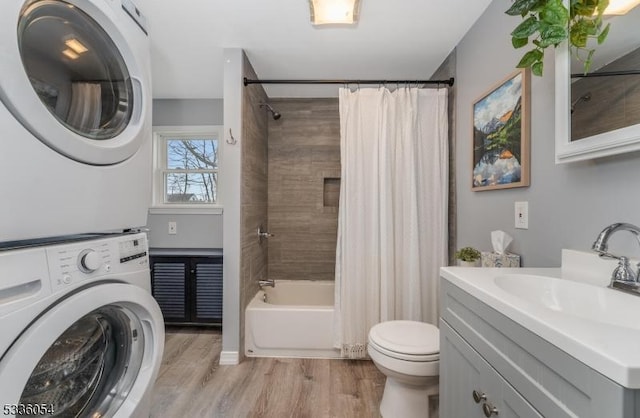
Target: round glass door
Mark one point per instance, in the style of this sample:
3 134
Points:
76 69
89 370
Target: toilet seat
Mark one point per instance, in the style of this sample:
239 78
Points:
406 340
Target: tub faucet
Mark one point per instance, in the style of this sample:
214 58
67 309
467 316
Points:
266 283
623 277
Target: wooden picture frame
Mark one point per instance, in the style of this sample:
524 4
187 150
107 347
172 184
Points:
501 135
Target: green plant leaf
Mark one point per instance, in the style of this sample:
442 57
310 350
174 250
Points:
583 8
530 58
552 35
578 35
587 62
527 28
537 68
555 13
522 7
553 23
603 34
602 5
519 42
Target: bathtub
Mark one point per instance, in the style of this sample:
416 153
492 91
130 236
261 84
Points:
293 319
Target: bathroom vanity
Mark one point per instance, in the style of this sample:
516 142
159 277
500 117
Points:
532 343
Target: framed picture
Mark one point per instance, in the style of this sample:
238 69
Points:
501 135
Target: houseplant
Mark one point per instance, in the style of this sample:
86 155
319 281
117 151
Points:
549 22
468 257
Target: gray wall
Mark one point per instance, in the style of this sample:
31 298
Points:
304 173
194 231
179 112
568 204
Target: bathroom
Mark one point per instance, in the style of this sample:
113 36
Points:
569 204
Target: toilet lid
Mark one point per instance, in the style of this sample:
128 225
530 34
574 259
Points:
406 338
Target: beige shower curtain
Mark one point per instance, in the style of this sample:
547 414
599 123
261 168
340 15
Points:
392 226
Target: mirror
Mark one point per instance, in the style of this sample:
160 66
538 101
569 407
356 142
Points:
599 114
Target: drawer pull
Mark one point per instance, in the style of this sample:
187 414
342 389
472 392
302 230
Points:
479 397
489 410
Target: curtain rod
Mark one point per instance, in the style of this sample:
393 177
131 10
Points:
448 82
606 74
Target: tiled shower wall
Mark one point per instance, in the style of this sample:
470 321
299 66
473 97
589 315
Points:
303 188
614 103
253 200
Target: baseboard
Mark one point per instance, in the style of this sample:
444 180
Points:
229 358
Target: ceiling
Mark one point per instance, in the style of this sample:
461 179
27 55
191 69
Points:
399 39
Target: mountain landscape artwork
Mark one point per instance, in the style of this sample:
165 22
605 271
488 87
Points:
500 136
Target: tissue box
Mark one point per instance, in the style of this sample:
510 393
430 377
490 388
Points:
490 259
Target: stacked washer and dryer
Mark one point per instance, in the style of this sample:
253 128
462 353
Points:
80 333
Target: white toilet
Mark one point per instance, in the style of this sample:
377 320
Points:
408 353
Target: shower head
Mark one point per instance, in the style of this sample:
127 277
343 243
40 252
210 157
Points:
585 97
275 114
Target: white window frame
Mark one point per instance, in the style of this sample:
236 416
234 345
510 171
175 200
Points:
160 135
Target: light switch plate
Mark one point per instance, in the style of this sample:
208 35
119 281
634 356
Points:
173 228
521 215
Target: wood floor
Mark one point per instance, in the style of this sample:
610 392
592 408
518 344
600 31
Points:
192 384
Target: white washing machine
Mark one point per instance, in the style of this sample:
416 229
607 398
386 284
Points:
81 334
75 117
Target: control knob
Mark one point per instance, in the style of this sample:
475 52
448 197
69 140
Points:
89 261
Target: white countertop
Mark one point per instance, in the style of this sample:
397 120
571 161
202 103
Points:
612 350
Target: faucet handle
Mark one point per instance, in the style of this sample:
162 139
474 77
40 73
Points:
624 272
607 255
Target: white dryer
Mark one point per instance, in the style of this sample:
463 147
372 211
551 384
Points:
81 334
75 117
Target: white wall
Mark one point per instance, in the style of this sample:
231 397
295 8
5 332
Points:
233 60
568 204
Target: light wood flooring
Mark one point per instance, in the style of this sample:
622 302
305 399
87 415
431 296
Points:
192 384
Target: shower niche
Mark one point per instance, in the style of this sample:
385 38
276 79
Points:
330 192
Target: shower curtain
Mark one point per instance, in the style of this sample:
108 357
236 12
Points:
86 106
392 218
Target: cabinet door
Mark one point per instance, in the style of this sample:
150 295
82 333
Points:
206 288
462 371
470 387
168 284
188 289
512 404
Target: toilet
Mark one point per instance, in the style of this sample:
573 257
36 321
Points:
408 353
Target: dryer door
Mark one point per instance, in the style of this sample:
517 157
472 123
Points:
94 354
70 76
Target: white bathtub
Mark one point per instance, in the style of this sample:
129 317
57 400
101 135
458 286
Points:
293 319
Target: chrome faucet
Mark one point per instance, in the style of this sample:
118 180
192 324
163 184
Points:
266 283
263 234
623 277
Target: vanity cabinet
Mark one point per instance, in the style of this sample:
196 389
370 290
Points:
521 374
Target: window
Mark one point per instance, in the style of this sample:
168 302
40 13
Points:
186 167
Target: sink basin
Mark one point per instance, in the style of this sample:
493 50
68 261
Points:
585 301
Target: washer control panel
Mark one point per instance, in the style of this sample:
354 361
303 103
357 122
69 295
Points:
73 263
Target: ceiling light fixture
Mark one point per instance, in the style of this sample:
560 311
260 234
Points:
327 12
620 7
77 46
69 53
